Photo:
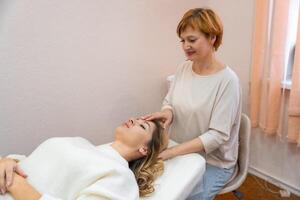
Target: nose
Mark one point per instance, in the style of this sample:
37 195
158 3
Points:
134 121
131 121
186 46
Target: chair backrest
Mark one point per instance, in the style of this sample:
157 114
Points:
244 146
243 157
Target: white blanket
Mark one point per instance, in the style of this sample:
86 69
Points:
181 173
74 169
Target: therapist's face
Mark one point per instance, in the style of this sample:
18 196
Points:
135 133
196 45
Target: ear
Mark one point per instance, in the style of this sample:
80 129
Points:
213 39
143 150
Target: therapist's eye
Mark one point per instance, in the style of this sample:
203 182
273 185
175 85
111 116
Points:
192 40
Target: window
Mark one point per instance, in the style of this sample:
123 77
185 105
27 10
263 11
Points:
291 41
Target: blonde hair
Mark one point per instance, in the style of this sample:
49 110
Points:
148 168
206 21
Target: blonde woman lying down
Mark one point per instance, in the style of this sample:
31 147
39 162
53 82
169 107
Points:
74 169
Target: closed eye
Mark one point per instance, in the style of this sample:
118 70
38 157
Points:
143 126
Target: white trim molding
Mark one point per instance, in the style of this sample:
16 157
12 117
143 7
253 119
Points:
275 181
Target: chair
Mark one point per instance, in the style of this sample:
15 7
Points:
243 159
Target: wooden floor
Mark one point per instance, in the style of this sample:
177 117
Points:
255 188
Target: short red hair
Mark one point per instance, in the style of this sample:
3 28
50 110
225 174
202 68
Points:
206 21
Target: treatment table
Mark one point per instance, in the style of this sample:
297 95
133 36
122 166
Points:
181 175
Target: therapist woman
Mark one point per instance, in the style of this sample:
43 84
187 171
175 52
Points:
203 105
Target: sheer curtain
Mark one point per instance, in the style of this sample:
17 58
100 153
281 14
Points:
294 102
268 59
268 62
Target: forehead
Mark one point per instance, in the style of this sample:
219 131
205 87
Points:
189 31
152 125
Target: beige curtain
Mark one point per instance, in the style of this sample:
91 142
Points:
258 55
268 63
294 102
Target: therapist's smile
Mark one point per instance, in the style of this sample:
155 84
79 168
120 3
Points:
190 53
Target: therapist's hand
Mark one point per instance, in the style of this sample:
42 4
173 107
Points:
166 154
165 116
8 167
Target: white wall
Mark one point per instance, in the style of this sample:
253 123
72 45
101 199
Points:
82 67
274 159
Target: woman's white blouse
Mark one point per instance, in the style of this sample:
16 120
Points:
208 107
74 169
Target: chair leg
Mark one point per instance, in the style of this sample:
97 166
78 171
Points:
239 195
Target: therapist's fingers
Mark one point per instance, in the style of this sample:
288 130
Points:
160 156
19 171
167 122
165 155
151 117
166 125
157 115
146 117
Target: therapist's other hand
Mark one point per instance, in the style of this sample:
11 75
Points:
8 167
165 116
166 154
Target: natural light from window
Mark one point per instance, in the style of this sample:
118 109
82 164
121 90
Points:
291 41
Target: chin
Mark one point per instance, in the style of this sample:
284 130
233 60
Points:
118 131
190 58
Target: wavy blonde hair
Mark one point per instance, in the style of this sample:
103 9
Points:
149 167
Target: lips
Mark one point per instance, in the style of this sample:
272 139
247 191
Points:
189 53
125 124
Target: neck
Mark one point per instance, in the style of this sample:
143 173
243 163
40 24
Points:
207 65
128 153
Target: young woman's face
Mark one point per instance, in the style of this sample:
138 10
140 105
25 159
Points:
135 133
195 45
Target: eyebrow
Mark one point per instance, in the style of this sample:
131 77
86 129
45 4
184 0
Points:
189 37
147 123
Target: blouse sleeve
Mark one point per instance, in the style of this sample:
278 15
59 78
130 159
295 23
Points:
223 116
167 103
